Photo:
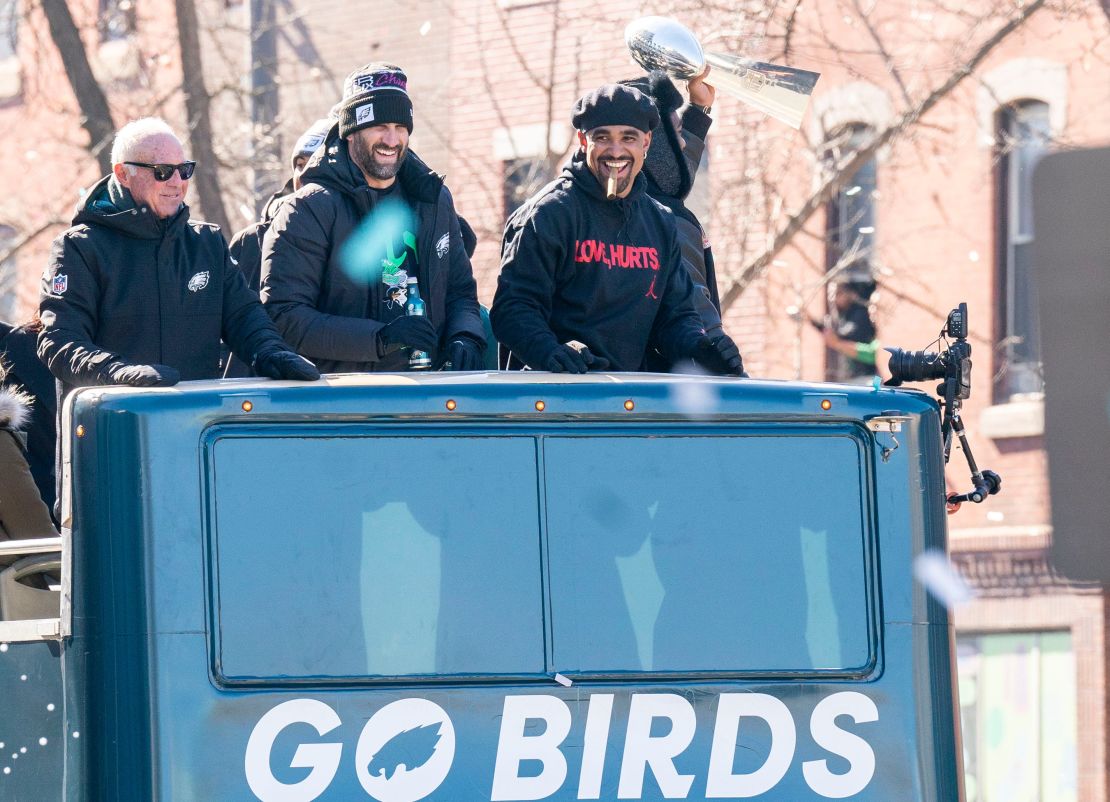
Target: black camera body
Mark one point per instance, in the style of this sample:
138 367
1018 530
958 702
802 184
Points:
952 365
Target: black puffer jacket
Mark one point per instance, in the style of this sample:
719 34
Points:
328 315
575 266
124 285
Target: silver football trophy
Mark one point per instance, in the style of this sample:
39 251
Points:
661 43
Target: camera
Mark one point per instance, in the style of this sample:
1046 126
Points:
952 365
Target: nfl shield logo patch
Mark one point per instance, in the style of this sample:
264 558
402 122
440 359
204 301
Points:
61 282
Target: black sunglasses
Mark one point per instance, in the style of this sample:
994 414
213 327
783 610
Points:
162 172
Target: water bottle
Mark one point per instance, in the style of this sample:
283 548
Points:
418 360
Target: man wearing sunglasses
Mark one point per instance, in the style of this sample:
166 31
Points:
137 293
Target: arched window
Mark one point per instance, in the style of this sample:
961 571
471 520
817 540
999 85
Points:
1023 137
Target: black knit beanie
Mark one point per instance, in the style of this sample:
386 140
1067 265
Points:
374 95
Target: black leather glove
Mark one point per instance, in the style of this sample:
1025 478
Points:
574 358
285 365
408 332
720 355
141 375
464 353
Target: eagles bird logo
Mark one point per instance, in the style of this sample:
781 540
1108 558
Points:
410 748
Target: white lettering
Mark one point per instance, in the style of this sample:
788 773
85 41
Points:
322 759
721 782
513 746
593 745
641 750
847 745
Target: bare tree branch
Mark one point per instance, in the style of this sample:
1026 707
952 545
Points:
857 159
199 121
96 117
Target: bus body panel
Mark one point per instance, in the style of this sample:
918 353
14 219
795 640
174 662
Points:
159 719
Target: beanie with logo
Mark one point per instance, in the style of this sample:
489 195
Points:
376 94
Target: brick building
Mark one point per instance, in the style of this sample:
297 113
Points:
937 215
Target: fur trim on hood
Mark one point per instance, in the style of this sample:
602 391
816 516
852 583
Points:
15 408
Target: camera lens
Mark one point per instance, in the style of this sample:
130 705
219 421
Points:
914 366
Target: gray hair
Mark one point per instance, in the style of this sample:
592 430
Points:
128 138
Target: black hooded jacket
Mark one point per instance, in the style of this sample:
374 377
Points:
246 246
125 285
696 252
330 316
576 266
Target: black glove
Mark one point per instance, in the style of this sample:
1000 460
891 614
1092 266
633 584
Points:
408 332
285 365
574 358
141 375
464 353
720 355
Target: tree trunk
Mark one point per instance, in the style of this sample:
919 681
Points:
197 103
96 117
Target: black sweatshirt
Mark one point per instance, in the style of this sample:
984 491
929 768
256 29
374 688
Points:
575 266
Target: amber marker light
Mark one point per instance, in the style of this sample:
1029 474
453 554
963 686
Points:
630 405
80 430
826 404
540 406
247 406
451 405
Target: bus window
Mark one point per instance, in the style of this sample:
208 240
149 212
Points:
376 556
710 553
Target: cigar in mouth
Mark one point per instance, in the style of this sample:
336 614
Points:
611 187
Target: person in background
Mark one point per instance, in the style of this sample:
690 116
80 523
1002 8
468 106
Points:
851 332
246 246
670 169
26 373
23 513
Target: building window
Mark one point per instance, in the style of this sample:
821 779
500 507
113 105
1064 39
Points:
9 275
9 29
523 178
850 251
116 19
1023 137
1018 714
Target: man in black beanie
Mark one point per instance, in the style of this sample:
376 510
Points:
591 273
370 222
670 167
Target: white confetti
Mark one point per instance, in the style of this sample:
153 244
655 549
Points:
694 398
427 26
76 734
3 647
23 750
23 677
934 570
42 742
7 770
50 707
564 681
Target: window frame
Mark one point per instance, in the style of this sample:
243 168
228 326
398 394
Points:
539 432
1012 204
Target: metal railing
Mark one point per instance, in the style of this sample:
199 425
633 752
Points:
33 545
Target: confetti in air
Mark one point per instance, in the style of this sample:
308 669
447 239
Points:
935 571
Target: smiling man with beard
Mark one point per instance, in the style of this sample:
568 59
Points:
591 272
369 219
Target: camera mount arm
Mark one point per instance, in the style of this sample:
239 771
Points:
985 483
